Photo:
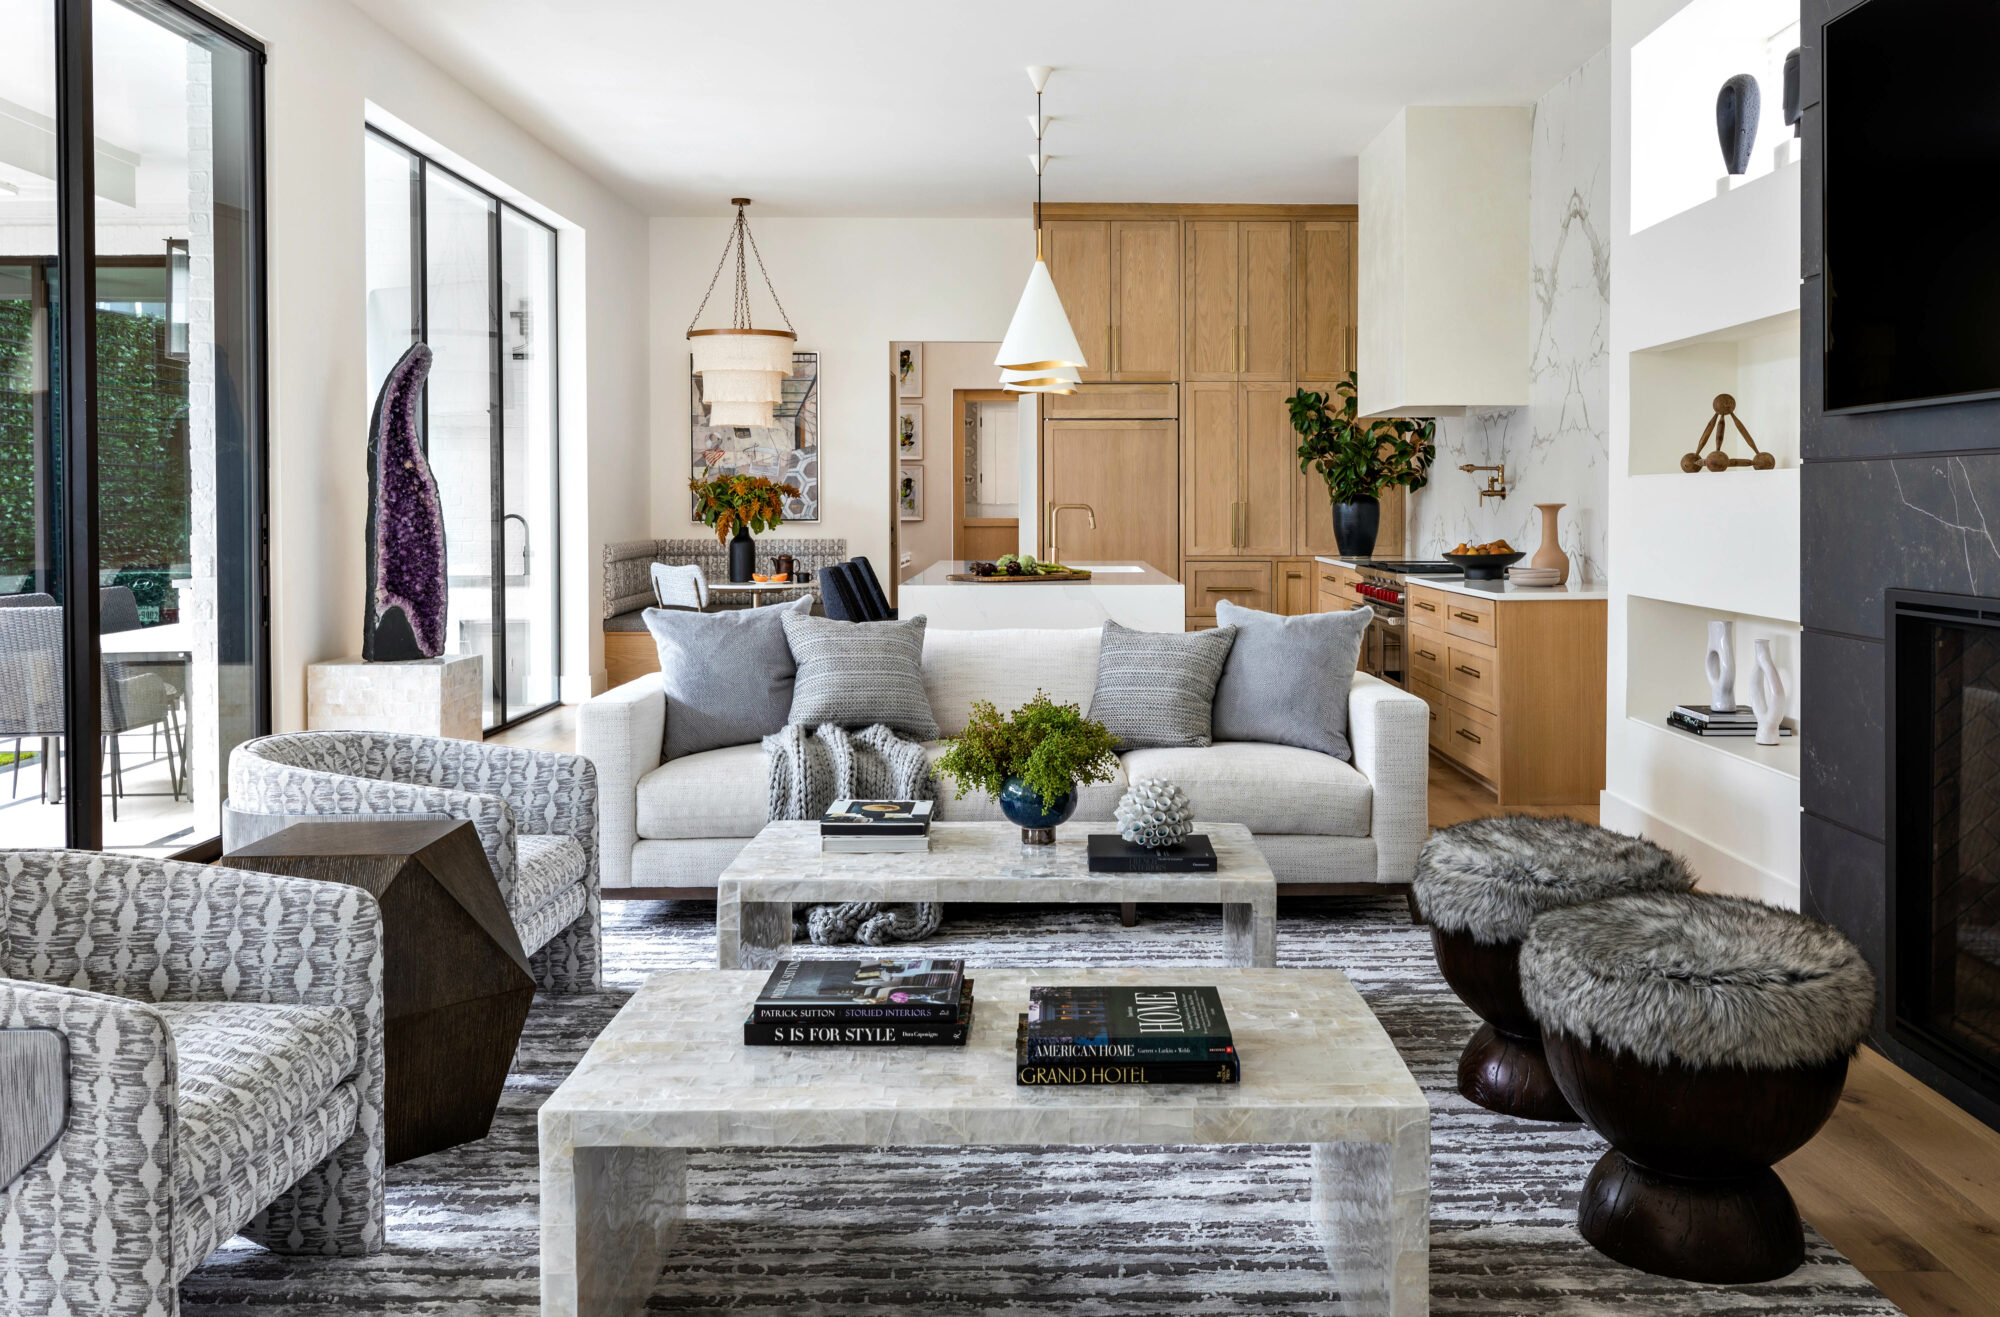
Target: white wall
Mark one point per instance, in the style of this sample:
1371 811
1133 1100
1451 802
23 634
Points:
1556 448
327 65
851 287
947 366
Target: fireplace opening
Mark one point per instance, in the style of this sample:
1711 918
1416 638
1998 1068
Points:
1944 796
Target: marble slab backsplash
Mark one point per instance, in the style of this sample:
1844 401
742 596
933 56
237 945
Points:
1557 448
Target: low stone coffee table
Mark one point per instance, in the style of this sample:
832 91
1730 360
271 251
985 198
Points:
783 866
671 1073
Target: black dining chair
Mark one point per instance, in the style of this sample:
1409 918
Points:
117 610
840 595
871 590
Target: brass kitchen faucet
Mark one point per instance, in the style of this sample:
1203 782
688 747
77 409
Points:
1496 484
1056 510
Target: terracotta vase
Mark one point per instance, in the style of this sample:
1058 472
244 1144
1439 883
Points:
1551 553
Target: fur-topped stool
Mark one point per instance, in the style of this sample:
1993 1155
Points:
1705 1037
1480 885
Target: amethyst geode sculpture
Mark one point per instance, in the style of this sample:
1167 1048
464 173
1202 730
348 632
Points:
406 581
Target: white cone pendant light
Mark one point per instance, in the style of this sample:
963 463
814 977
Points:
1039 342
742 368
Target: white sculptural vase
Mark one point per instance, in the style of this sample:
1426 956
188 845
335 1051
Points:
1721 665
1767 695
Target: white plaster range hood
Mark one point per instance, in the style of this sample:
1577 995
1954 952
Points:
1444 262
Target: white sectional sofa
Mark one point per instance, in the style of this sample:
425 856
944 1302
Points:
671 828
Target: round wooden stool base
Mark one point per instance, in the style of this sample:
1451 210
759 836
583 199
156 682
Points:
1510 1075
1718 1232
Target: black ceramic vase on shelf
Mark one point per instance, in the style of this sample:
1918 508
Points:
1355 526
742 555
1737 106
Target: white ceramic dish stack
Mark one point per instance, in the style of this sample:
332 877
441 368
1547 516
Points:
1535 576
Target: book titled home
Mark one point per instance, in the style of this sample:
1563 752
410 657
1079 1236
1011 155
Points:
1032 1072
1156 1026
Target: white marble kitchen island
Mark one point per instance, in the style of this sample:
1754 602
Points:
671 1074
1136 595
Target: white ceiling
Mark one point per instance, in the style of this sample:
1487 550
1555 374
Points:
865 107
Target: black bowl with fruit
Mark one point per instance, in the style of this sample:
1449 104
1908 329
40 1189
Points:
1485 562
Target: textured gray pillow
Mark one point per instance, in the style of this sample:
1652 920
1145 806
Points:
853 674
1287 678
1157 688
728 676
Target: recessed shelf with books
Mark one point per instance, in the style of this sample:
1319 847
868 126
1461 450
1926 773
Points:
1666 648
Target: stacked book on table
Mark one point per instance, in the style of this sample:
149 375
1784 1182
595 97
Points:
867 1003
876 826
1704 721
1079 1036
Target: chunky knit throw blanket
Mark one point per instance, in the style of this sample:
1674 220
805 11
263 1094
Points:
810 769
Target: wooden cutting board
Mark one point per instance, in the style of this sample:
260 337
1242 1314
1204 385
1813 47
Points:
997 579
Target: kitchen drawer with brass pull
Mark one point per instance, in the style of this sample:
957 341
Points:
1248 583
1472 620
1472 674
1425 606
1473 738
1427 657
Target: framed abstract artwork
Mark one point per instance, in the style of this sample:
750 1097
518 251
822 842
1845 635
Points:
910 432
908 362
910 494
787 452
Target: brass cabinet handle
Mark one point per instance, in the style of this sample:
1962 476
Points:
1426 654
1464 616
1295 576
1239 349
1114 348
1428 608
1469 736
1470 672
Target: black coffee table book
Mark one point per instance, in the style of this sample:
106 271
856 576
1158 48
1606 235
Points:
1113 854
1080 1036
868 1003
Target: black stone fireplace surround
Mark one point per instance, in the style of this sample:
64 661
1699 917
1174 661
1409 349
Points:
1906 500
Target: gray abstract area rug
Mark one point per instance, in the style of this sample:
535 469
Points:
1077 1232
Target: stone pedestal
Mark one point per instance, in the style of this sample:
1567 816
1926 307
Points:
434 697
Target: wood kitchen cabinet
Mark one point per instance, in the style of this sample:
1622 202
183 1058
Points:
1237 454
1119 281
1298 587
1516 690
1239 300
1246 582
1326 310
1125 471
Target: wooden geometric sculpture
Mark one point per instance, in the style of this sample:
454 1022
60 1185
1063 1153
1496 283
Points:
1718 426
456 985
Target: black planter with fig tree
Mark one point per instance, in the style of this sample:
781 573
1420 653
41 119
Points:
1358 459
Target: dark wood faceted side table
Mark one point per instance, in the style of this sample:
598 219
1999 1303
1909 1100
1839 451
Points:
455 983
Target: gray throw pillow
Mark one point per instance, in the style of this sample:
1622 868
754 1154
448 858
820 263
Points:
854 674
728 676
1287 678
1157 688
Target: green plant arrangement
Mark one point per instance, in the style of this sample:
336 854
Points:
729 502
1359 459
1051 747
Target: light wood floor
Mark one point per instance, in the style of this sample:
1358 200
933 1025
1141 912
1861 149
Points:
1900 1180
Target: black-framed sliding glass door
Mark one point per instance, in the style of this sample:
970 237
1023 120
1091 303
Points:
132 421
454 266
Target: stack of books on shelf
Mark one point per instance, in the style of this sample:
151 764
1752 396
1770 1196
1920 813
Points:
867 1003
1704 721
876 825
1080 1036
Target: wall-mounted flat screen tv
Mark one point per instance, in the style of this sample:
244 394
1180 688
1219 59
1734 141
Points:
1911 106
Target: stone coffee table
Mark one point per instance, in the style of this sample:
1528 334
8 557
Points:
783 865
671 1073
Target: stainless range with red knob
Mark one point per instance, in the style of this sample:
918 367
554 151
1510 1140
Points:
1384 586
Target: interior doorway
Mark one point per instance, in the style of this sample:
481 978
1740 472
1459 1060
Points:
986 504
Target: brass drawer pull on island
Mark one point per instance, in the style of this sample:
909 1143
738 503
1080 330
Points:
1427 655
1470 672
1469 736
1464 616
1230 589
1424 604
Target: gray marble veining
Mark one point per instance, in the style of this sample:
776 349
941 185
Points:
671 1073
986 862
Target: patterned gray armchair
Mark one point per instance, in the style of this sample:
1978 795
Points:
535 811
223 1058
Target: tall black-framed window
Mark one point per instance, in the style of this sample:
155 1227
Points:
133 619
453 265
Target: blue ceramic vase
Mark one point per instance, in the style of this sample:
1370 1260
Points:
1022 804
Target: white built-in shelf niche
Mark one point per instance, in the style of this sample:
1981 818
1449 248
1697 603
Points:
1674 387
1667 645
